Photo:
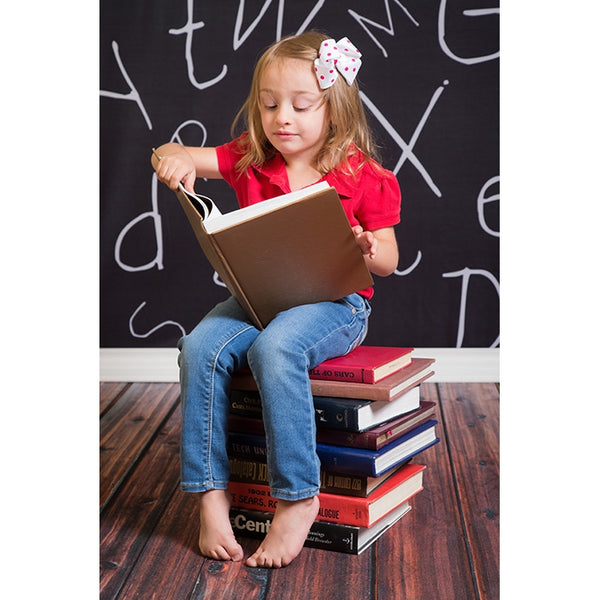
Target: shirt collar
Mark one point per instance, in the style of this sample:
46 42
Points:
345 185
274 170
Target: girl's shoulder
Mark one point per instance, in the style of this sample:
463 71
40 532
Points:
237 146
369 186
365 172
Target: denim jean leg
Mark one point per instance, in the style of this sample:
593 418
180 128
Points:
280 357
216 347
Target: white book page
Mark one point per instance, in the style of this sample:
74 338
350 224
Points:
222 221
203 204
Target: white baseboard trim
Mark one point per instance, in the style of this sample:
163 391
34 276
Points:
160 364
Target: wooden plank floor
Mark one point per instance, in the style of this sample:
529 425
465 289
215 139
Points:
445 548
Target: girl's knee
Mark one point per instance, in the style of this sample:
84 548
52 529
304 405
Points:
201 345
265 347
269 352
191 351
216 344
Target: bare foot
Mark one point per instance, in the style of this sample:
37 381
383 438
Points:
216 539
287 534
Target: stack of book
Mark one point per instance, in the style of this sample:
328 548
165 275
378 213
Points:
370 424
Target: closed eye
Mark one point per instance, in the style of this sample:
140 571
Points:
296 108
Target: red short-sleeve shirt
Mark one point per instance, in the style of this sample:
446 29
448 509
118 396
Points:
370 199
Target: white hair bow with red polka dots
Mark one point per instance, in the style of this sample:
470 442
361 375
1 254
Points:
337 57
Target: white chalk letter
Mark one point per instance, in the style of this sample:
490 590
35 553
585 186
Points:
466 274
442 34
133 94
156 328
155 216
482 200
188 29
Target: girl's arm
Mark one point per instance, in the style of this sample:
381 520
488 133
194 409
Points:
380 249
184 164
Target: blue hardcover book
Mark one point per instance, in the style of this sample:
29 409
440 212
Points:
374 463
351 461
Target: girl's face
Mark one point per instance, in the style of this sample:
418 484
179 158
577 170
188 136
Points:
294 117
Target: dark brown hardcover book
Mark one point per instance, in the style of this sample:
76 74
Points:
295 249
387 389
253 470
246 415
347 414
377 437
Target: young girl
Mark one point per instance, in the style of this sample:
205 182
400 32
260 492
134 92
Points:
304 123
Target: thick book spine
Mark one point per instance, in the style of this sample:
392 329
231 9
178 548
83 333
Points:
247 445
337 459
387 389
338 413
368 462
336 537
335 413
350 511
353 374
215 256
322 535
255 471
364 364
249 470
247 418
245 403
344 485
379 436
333 508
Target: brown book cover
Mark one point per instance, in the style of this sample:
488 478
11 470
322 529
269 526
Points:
387 389
294 249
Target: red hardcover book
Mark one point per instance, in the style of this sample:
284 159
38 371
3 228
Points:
365 364
386 389
337 508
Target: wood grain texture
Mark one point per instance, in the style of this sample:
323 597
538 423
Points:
129 427
129 520
110 392
471 417
429 550
445 547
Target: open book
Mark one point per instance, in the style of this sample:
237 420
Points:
294 249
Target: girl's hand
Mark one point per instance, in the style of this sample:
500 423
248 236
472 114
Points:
379 249
173 165
366 240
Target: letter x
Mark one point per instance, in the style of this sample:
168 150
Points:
407 149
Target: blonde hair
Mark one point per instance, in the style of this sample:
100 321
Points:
348 131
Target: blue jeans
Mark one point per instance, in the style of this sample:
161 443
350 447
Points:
279 357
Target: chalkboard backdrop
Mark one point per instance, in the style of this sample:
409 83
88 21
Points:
179 70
